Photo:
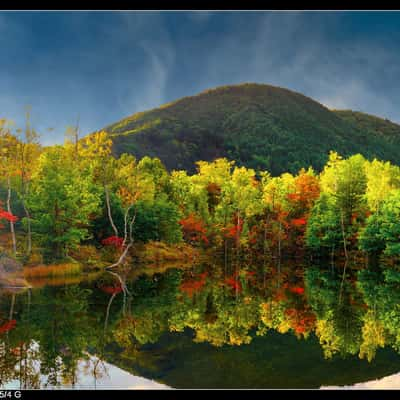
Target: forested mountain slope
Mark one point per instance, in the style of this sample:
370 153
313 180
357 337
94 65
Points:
259 126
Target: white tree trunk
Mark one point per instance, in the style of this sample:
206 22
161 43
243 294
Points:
12 228
109 210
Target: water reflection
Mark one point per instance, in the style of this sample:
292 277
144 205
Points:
154 324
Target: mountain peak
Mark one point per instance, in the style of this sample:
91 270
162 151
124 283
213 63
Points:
257 125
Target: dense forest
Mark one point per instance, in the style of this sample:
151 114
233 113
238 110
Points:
78 204
259 126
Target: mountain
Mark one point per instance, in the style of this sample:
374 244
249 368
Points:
260 126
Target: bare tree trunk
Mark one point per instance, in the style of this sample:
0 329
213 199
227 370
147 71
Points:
29 301
264 254
29 238
344 235
225 249
225 255
279 240
122 283
98 358
109 210
126 225
130 244
108 312
24 191
12 229
341 284
121 258
10 317
237 255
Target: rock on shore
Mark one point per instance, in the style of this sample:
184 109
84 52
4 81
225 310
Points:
11 273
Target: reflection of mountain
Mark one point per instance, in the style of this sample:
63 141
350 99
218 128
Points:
273 361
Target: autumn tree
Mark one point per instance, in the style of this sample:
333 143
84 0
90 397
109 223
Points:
95 153
27 154
8 169
133 185
276 192
382 178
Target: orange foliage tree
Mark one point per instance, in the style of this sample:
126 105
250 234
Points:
300 201
194 230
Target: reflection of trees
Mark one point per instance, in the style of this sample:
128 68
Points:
17 355
217 315
153 299
65 325
50 337
381 293
65 331
212 308
339 313
96 364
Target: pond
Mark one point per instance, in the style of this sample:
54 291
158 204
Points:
204 327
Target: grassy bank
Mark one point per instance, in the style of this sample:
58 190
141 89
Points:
52 270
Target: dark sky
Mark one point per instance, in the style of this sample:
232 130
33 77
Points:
104 66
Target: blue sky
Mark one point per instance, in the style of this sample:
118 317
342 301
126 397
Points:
103 66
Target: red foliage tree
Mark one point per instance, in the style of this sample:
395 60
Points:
299 222
301 320
301 200
193 229
297 290
234 283
7 326
111 289
4 215
114 241
307 190
234 230
192 286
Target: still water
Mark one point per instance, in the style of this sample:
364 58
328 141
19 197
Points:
202 327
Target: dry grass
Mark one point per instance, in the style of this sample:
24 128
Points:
66 269
159 252
89 257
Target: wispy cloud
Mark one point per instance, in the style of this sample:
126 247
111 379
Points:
106 66
299 52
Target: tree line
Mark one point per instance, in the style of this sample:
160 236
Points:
57 198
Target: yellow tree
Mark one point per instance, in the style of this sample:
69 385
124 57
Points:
8 170
382 178
27 155
208 183
275 202
373 334
95 150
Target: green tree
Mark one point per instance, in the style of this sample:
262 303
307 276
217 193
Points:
157 221
382 229
63 200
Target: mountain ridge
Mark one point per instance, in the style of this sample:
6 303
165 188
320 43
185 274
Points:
257 125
